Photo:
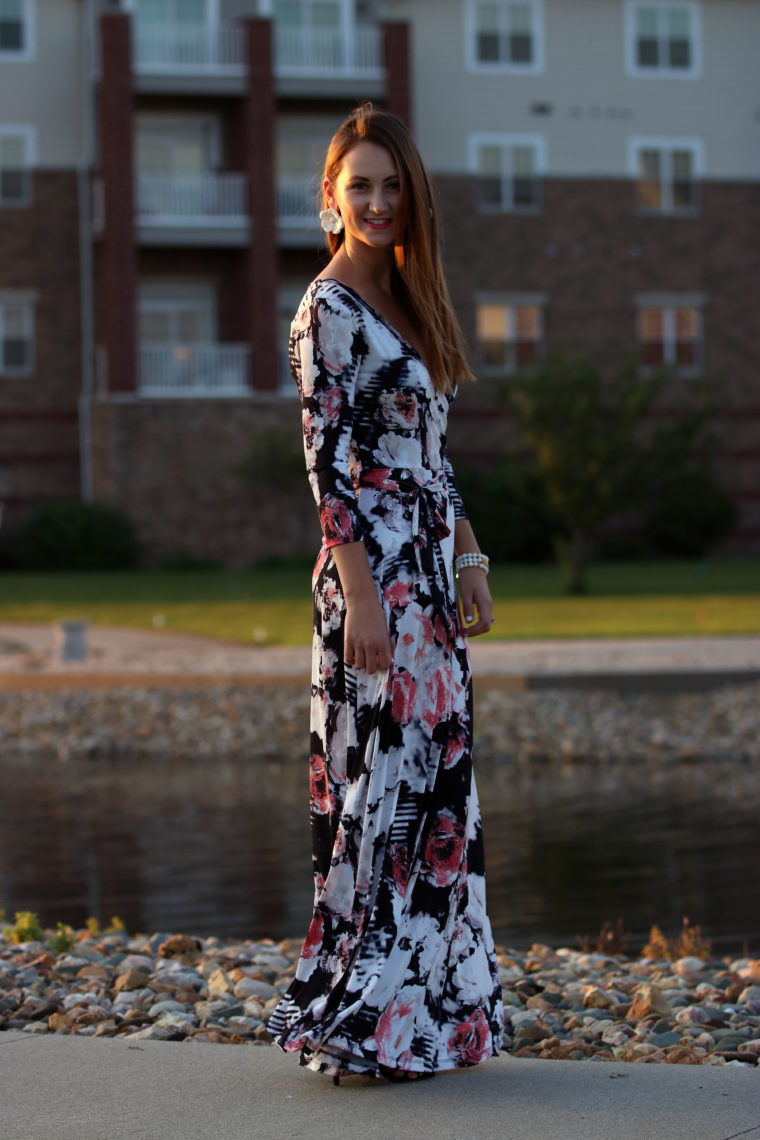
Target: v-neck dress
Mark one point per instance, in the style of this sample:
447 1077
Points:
398 968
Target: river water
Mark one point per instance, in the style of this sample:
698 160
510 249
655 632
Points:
223 848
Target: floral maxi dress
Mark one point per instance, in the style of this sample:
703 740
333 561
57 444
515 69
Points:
398 967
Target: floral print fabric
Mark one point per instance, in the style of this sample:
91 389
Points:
398 967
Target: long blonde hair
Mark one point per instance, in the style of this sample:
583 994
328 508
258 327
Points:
418 276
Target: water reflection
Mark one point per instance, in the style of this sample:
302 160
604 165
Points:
224 848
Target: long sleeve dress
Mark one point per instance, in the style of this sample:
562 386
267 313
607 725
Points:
398 968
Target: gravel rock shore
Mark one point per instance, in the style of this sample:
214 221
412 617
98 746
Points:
226 719
559 1004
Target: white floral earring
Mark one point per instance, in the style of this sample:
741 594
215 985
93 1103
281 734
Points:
331 221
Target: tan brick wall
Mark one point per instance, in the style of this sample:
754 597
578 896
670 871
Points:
171 466
590 253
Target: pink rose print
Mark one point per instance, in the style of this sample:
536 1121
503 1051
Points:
470 1042
318 787
437 698
380 478
455 749
391 1030
444 850
399 856
337 524
399 593
312 431
404 691
330 402
400 408
314 937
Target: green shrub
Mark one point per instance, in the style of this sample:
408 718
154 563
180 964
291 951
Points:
26 928
63 940
182 560
509 511
690 515
71 536
275 462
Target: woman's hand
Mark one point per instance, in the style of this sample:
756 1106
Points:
366 641
367 644
477 604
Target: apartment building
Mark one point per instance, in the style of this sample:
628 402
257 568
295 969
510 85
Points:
44 187
597 166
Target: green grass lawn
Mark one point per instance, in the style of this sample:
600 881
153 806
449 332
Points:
272 605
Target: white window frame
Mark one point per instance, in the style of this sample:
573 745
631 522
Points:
212 11
667 303
29 50
173 297
506 142
505 67
511 302
170 124
29 134
634 68
24 301
666 145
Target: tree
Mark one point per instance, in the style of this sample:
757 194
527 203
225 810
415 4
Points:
598 448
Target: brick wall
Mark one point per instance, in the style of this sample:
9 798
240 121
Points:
117 280
171 466
261 262
590 253
39 253
398 99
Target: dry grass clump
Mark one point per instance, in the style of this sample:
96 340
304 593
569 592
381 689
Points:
611 940
688 944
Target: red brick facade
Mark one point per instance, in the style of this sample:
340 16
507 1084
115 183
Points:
39 257
591 254
118 262
261 260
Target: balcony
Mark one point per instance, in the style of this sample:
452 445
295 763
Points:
194 371
297 215
330 62
192 209
190 60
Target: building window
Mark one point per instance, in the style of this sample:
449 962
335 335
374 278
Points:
663 39
16 29
177 313
504 35
670 333
301 146
667 174
508 170
16 159
510 333
16 336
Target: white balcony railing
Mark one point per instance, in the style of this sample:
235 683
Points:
192 199
194 370
297 201
220 49
328 53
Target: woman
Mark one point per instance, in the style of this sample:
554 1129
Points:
398 974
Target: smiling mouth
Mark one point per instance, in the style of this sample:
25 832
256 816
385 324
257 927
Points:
378 223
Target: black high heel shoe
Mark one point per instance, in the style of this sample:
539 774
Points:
403 1076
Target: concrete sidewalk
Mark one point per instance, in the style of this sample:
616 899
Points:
75 1088
30 656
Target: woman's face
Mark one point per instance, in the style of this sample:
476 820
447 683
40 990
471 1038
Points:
367 194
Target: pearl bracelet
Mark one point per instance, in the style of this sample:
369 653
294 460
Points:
471 559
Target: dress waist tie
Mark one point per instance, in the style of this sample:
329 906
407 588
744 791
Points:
429 496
